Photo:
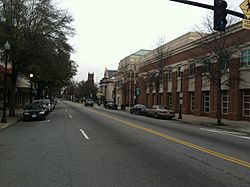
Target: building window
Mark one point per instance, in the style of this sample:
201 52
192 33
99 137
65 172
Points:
246 103
179 71
245 57
224 104
192 101
191 69
153 99
207 65
160 98
147 96
170 101
170 74
207 101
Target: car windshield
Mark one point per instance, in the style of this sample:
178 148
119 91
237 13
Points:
33 106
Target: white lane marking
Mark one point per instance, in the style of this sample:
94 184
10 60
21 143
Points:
84 134
66 110
70 116
229 133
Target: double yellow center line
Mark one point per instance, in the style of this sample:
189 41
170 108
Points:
173 139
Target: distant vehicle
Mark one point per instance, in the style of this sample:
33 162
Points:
89 102
159 111
111 105
138 109
34 111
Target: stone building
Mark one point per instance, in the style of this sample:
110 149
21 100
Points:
107 85
126 79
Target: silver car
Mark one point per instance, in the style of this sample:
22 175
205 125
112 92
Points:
159 111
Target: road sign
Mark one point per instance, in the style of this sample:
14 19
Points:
245 7
137 91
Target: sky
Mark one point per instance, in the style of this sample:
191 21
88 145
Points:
109 30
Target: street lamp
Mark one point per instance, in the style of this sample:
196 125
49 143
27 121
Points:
181 94
6 50
31 84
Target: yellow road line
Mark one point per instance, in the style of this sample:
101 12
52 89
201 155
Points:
173 139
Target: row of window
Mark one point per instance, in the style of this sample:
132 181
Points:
206 101
244 59
225 102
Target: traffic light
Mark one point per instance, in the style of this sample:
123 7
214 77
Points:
220 14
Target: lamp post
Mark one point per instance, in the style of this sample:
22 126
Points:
31 84
181 94
6 50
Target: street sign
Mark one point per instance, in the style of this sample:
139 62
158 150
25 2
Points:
137 92
245 7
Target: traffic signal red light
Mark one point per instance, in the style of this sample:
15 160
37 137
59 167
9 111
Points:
220 14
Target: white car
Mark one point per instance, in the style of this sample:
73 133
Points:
159 111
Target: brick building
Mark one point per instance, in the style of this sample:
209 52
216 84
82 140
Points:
184 82
22 88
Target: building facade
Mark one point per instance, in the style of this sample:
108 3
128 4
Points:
126 79
184 82
23 88
107 86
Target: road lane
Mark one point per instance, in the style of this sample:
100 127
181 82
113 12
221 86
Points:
179 141
203 158
233 146
56 154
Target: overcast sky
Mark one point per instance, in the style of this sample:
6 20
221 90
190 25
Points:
109 30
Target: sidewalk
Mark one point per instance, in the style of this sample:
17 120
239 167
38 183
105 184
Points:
240 126
11 120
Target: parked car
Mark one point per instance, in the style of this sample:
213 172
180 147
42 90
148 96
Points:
159 111
89 102
34 111
138 109
46 103
111 105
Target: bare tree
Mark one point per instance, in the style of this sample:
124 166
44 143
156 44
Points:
155 77
218 49
125 75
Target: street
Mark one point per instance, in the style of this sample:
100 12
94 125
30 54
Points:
92 146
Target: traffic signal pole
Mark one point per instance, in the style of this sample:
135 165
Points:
237 14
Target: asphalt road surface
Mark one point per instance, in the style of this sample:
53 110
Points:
92 146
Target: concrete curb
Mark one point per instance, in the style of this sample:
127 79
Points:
4 126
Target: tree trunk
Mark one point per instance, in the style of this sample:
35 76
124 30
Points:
157 95
12 99
219 104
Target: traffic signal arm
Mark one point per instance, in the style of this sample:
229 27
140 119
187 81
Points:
237 14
